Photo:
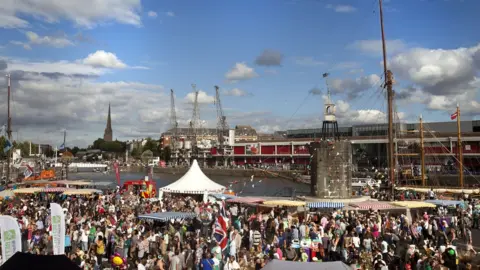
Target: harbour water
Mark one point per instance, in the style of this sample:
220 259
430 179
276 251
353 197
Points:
243 186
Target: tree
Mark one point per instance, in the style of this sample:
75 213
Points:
97 143
166 154
75 150
147 155
2 145
136 152
151 145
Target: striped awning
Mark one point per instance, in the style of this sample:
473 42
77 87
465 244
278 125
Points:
374 205
54 189
167 216
83 191
325 205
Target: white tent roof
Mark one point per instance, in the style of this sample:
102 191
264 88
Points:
194 181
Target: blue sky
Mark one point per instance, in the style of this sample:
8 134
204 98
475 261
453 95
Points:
172 44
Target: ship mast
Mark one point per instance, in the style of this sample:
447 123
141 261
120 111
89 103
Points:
459 148
422 153
9 128
388 76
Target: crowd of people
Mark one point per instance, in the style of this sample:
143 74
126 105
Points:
101 226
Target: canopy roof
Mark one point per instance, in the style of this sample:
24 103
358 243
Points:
414 204
443 202
325 204
166 216
374 205
194 182
39 262
284 203
287 265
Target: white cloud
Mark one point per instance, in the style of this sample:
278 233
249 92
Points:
342 8
354 87
85 13
57 42
152 14
441 78
348 116
104 59
236 92
240 72
25 45
374 47
171 14
307 61
64 67
11 21
203 98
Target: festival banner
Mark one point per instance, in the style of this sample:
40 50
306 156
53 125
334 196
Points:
58 228
11 237
117 172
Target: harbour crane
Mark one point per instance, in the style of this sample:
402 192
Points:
194 123
173 126
222 126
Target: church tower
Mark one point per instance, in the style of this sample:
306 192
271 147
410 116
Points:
108 135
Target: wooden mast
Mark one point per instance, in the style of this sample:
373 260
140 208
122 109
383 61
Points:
9 129
422 152
388 76
459 148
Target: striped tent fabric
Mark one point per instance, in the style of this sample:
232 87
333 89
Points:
166 216
335 205
54 190
374 205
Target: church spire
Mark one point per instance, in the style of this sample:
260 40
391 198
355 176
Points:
109 119
108 135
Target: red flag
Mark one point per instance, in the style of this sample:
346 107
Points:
117 172
453 116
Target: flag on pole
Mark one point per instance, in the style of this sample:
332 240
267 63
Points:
28 171
220 232
7 146
62 147
325 75
453 116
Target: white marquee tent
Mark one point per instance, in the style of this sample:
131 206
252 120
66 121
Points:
194 182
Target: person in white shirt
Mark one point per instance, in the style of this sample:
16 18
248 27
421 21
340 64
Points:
232 264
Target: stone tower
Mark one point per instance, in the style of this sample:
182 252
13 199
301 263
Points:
108 135
331 159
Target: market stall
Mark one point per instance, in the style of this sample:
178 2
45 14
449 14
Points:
374 205
85 191
288 265
414 204
30 190
167 216
54 189
334 205
288 203
444 202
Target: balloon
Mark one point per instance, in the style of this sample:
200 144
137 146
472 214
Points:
117 261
